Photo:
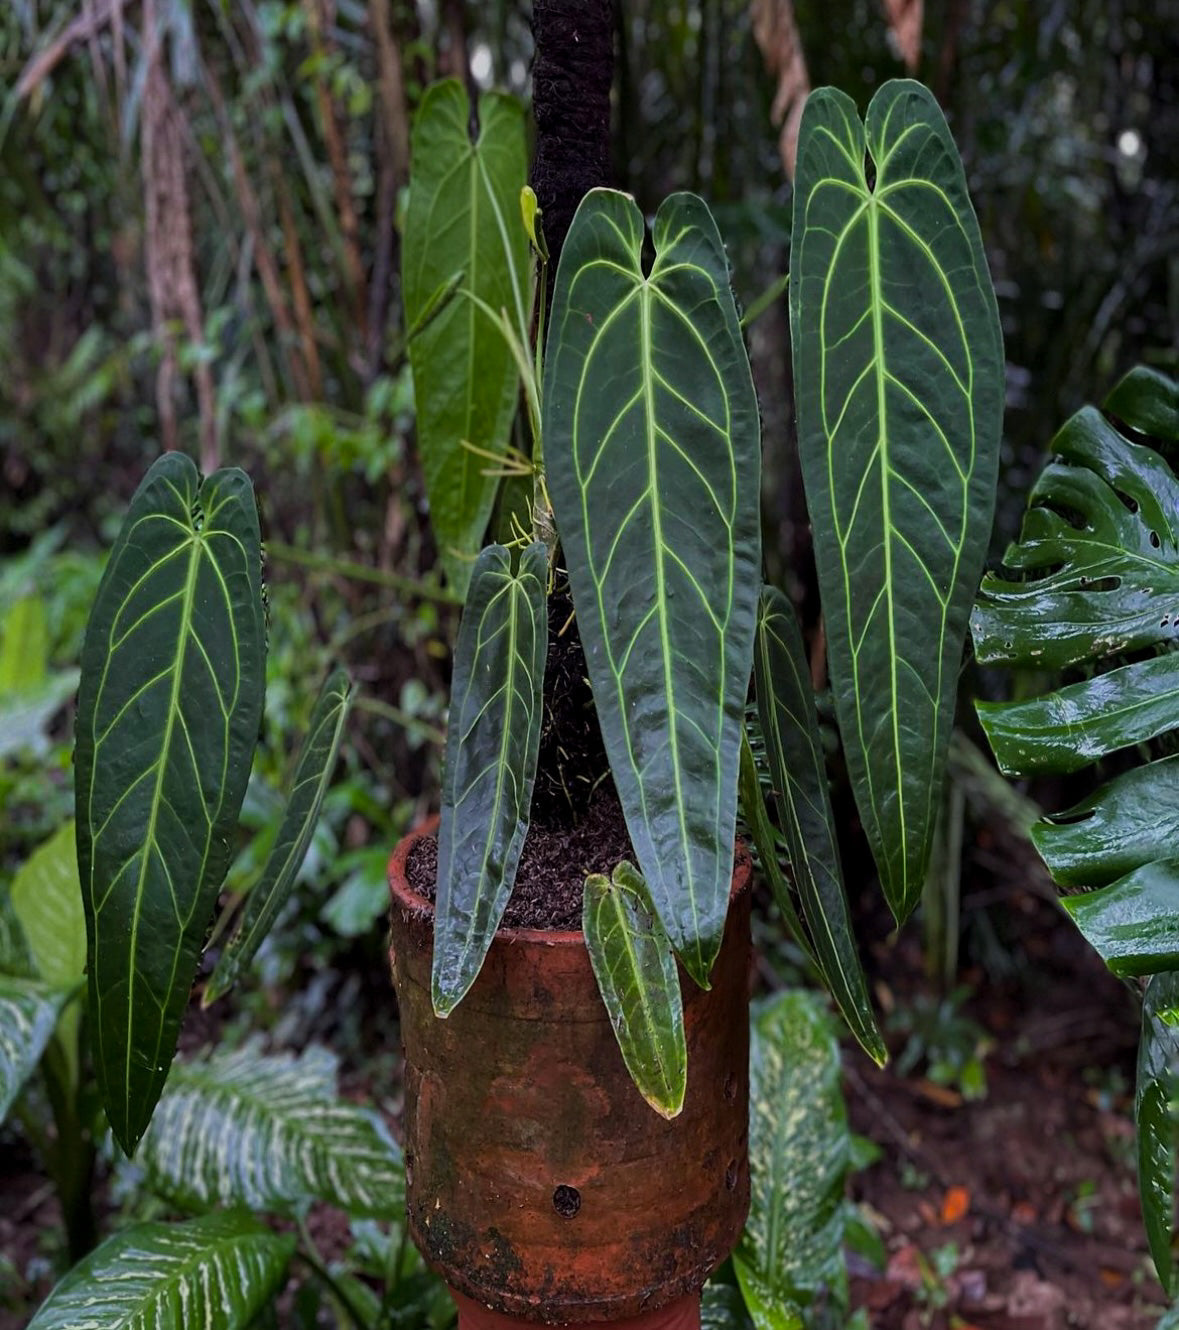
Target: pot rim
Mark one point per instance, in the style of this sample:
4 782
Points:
406 898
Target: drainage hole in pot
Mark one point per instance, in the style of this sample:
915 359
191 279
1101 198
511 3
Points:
566 1201
731 1175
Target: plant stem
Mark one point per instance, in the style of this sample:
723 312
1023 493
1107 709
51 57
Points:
375 707
765 300
309 1254
358 572
70 1159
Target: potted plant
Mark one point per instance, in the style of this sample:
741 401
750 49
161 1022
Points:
537 1182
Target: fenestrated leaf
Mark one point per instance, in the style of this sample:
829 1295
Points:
639 983
28 1016
47 902
1156 1109
1133 924
1094 576
216 1272
1131 821
652 447
898 367
173 674
492 742
463 216
316 763
799 1155
269 1133
786 705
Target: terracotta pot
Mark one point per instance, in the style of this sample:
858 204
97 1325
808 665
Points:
540 1184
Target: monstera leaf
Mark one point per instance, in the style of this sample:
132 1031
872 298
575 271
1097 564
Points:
1093 580
786 705
1156 1108
317 760
652 448
463 222
637 977
492 744
898 371
799 1156
269 1133
217 1272
173 676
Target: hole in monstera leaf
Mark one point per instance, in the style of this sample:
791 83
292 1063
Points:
1069 817
1154 540
1099 583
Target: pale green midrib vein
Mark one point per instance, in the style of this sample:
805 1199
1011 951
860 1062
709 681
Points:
643 996
886 513
661 596
157 794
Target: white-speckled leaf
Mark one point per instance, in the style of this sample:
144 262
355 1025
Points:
270 1133
799 1154
212 1273
28 1015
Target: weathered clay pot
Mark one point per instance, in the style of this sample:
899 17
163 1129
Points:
540 1184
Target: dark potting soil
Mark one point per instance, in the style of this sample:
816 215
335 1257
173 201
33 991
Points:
553 868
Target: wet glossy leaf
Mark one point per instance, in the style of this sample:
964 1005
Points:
898 363
652 446
1130 821
317 761
271 1134
173 675
47 902
1156 1109
463 216
492 742
216 1272
1133 924
786 705
639 983
1095 576
28 1017
799 1155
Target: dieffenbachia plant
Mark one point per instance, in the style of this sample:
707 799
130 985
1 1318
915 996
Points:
651 458
169 708
1091 587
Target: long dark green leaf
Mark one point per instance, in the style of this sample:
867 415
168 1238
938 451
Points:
786 705
463 217
216 1272
1156 1109
799 1155
270 1133
313 773
28 1016
1131 821
640 985
898 366
1133 924
173 676
651 442
492 742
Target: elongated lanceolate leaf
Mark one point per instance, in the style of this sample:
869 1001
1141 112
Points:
898 366
216 1272
1093 577
652 447
1156 1110
799 1154
313 773
463 217
492 742
47 902
640 985
786 705
28 1016
1131 821
1133 924
173 675
272 1134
